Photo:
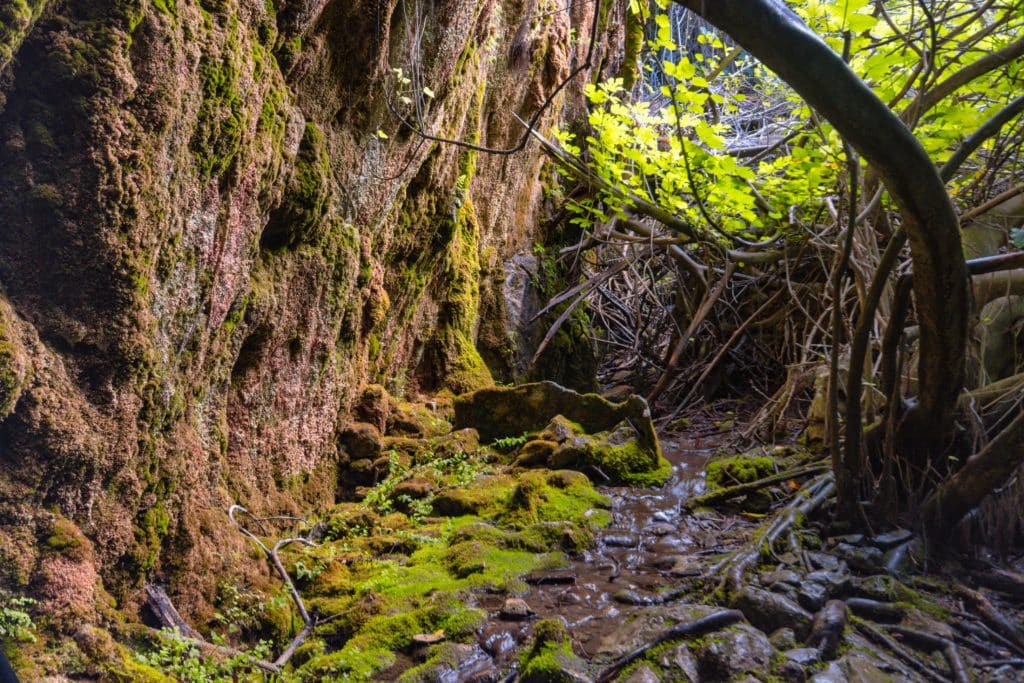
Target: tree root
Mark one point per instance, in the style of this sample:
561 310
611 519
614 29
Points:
883 640
736 566
699 627
926 642
1010 583
993 617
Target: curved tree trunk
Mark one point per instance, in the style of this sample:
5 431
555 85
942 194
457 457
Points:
774 34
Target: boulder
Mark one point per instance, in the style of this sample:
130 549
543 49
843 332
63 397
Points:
550 658
769 611
736 651
510 411
362 440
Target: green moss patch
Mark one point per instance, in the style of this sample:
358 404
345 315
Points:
738 469
390 576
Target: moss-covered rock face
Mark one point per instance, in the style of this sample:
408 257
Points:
13 362
209 249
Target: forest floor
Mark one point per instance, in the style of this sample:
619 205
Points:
461 562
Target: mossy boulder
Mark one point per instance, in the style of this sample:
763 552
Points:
615 456
361 440
615 442
487 496
374 406
546 496
497 412
550 658
536 453
738 469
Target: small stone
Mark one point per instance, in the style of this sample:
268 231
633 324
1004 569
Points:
621 540
787 576
628 596
515 609
769 611
835 582
661 529
863 559
791 672
824 561
891 539
783 638
811 596
785 589
683 568
804 656
736 651
424 639
559 430
535 453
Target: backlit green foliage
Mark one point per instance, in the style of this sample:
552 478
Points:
672 141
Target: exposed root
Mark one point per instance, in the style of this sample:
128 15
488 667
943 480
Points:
736 566
691 629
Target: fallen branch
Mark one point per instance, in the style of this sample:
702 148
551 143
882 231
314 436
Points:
165 612
273 556
731 492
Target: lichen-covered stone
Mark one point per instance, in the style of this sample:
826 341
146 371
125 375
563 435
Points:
734 652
